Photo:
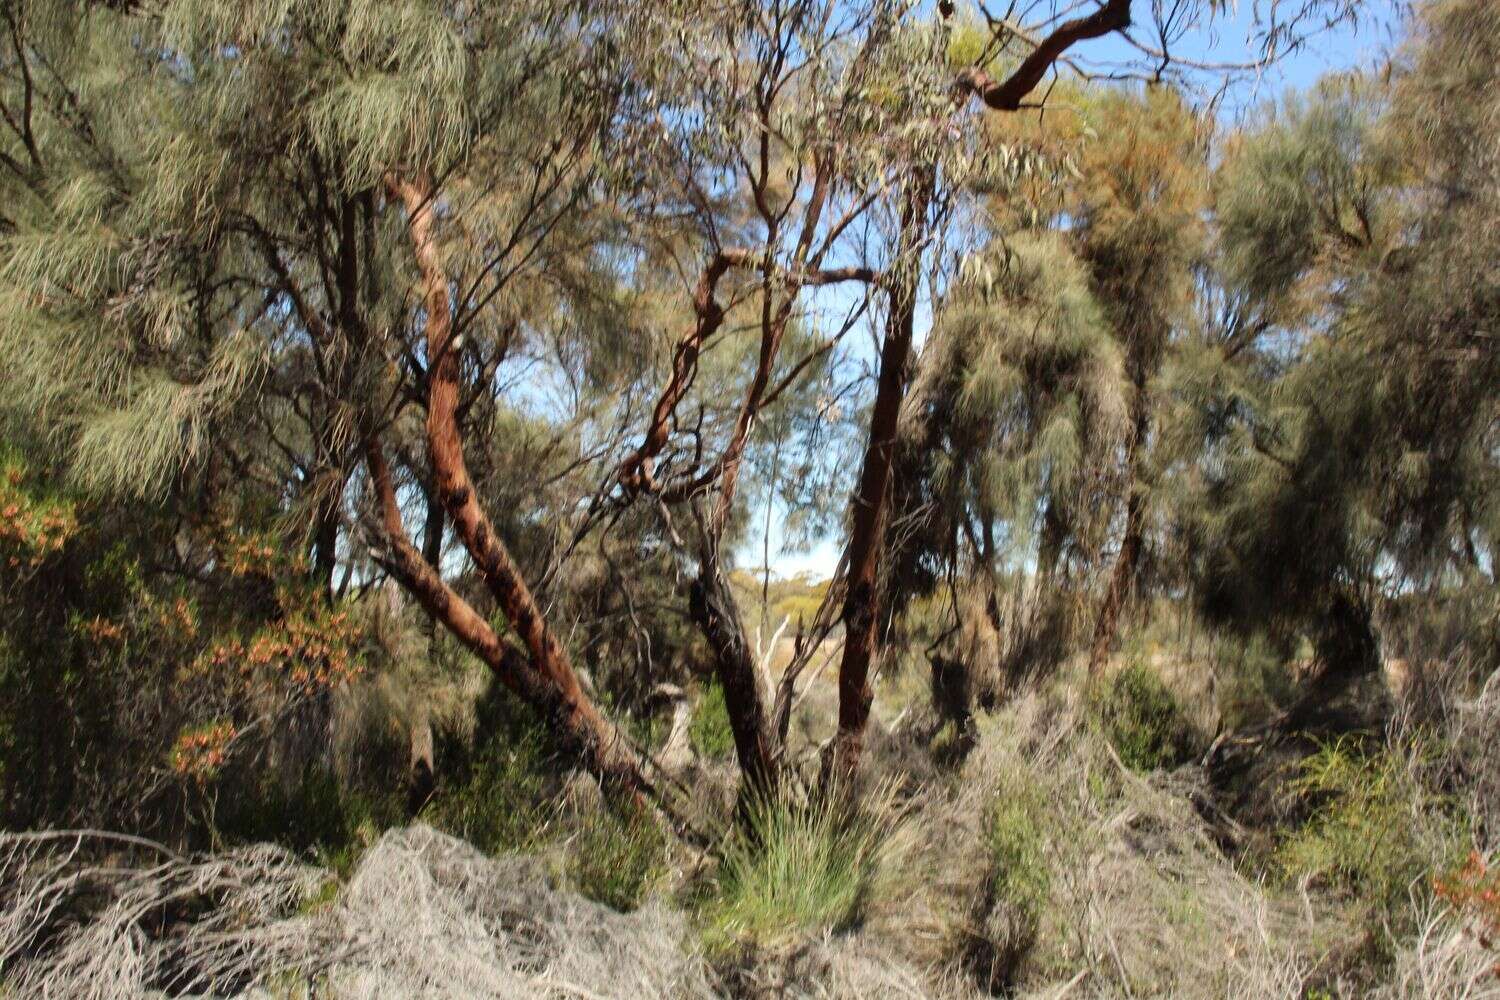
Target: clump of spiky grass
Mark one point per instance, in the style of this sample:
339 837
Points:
795 867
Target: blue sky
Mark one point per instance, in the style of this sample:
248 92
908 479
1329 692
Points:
1230 40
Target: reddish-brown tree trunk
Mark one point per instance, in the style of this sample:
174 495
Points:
861 611
548 680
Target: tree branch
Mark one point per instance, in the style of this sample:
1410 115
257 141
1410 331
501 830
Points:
1008 94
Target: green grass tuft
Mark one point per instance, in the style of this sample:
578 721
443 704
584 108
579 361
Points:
709 731
795 868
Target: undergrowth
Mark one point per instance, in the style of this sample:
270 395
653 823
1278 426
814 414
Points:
1017 888
618 857
709 731
1375 834
1142 720
796 867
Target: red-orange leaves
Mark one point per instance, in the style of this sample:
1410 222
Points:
1473 890
306 653
32 526
200 752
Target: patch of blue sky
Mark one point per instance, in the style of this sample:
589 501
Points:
1233 38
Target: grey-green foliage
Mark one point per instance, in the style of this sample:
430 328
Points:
1302 190
1345 409
200 189
1046 357
1022 385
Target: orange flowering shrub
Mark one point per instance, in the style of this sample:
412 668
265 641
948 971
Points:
310 653
1473 890
31 528
103 632
200 752
259 554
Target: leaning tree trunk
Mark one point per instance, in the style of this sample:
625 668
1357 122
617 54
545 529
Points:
547 679
861 611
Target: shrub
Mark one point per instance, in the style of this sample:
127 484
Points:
1018 863
1254 679
494 792
794 867
314 815
709 731
618 857
1473 890
1143 721
1017 886
499 804
1374 832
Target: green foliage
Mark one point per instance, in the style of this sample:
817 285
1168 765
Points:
709 730
1254 679
1142 720
1014 837
1375 833
315 814
618 857
794 868
1018 887
499 805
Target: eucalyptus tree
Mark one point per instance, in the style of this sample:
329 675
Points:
1005 75
798 102
1040 386
255 252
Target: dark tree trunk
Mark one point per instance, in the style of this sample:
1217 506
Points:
861 611
1121 585
325 547
1122 577
1054 534
714 610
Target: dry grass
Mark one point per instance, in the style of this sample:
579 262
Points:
1121 885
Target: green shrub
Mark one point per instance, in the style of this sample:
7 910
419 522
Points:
1142 720
499 804
494 791
1374 833
709 731
1018 883
618 857
795 867
1016 843
1255 681
315 815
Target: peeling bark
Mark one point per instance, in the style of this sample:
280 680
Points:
545 677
